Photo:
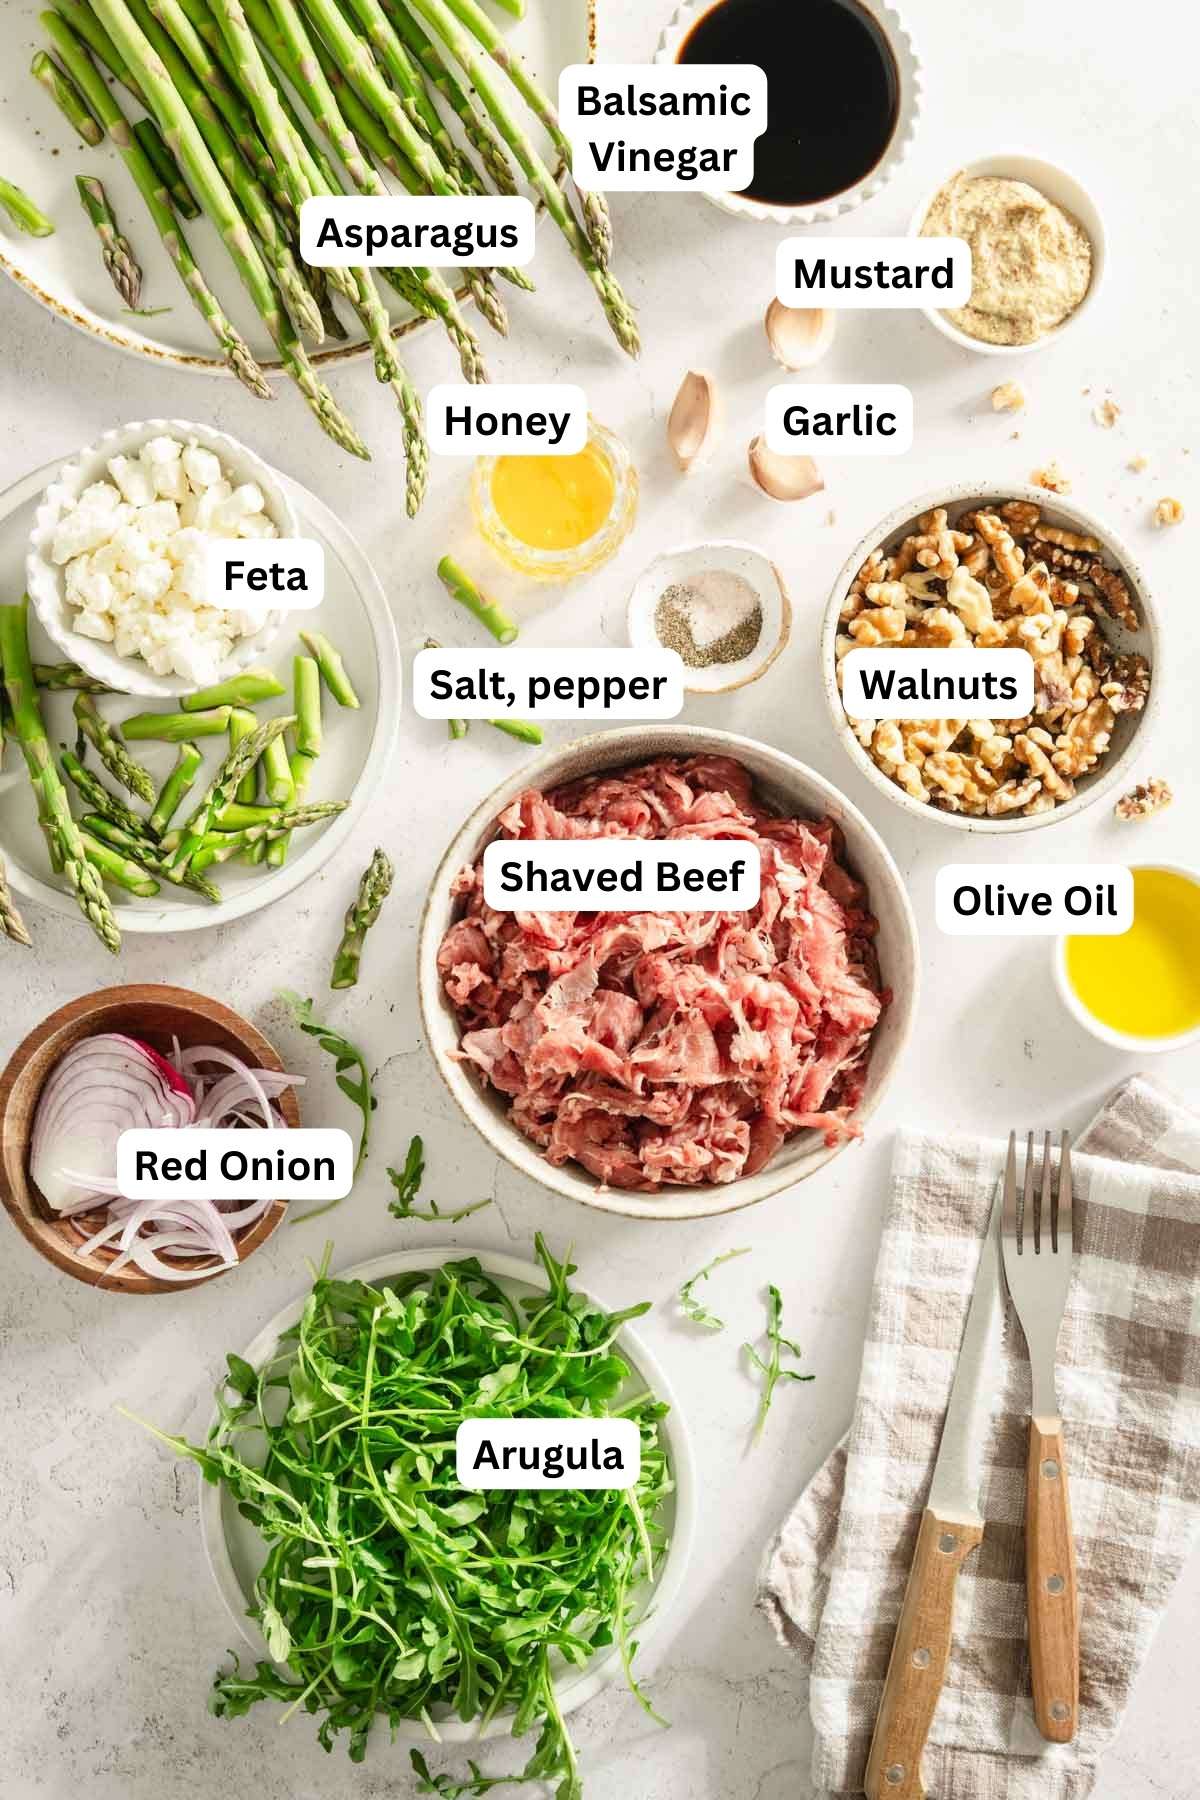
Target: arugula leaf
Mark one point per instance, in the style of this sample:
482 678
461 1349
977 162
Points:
407 1183
772 1369
389 1591
356 1087
698 1314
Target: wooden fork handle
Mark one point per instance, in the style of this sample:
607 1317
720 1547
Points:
1050 1583
919 1654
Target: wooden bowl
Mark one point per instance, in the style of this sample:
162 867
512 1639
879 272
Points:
156 1014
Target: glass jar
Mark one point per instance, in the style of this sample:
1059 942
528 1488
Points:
564 564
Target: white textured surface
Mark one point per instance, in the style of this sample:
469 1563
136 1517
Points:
109 1626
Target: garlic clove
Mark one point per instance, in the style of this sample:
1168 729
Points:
692 422
799 336
783 477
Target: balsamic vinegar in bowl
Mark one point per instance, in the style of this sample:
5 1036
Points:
833 91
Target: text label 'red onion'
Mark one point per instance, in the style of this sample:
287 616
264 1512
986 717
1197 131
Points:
663 127
622 875
405 231
309 1163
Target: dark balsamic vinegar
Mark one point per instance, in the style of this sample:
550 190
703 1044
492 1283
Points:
833 90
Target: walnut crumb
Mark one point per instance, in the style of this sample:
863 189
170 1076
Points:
1051 478
1106 414
1008 397
1168 512
1147 798
831 517
1138 463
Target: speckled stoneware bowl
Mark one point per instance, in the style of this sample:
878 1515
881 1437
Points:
1130 728
794 790
46 580
912 89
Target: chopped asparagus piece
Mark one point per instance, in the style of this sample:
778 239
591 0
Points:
460 587
307 702
67 97
124 269
23 211
175 728
166 168
373 889
333 670
118 869
112 753
243 690
67 675
519 728
178 783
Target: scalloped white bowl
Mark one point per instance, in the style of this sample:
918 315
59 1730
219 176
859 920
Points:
46 580
912 87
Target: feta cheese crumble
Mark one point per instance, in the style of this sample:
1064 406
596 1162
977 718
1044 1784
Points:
134 554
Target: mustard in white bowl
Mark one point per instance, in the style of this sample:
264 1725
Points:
1140 990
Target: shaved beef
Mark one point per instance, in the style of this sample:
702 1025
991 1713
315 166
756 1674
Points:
665 1048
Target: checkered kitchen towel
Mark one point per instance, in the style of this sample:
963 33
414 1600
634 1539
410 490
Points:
1129 1389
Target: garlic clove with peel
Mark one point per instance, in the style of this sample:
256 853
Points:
799 336
782 477
692 422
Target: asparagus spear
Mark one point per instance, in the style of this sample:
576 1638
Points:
67 675
477 126
519 728
101 799
153 861
23 211
457 728
166 168
243 690
306 675
594 207
241 724
219 846
223 787
198 35
123 267
156 195
462 48
277 774
333 669
210 188
112 753
178 783
249 193
85 25
67 97
118 869
67 849
373 889
460 587
175 728
11 923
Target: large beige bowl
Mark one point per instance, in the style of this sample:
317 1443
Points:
1130 729
784 783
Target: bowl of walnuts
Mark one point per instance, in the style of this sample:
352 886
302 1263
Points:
1005 567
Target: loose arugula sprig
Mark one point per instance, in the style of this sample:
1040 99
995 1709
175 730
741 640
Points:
771 1369
407 1183
356 1088
693 1308
385 1587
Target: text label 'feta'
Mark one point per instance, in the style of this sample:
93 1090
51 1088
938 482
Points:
262 575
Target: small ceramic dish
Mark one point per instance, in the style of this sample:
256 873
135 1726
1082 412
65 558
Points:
1065 191
157 1014
687 561
788 787
1108 1034
911 86
46 580
234 1548
960 498
561 565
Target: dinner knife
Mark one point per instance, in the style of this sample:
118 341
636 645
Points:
951 1527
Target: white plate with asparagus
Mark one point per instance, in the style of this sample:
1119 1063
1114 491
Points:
236 109
177 814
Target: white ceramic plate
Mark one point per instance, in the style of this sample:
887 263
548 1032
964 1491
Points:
356 748
234 1549
40 152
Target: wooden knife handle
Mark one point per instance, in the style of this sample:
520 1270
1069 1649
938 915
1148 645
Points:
1050 1584
918 1663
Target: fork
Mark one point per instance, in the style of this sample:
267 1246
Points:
1036 1243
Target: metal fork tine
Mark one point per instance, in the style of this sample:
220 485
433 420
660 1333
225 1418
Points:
1062 1211
1027 1195
1044 1205
1009 1220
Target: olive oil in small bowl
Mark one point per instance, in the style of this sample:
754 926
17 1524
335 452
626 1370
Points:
1140 991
